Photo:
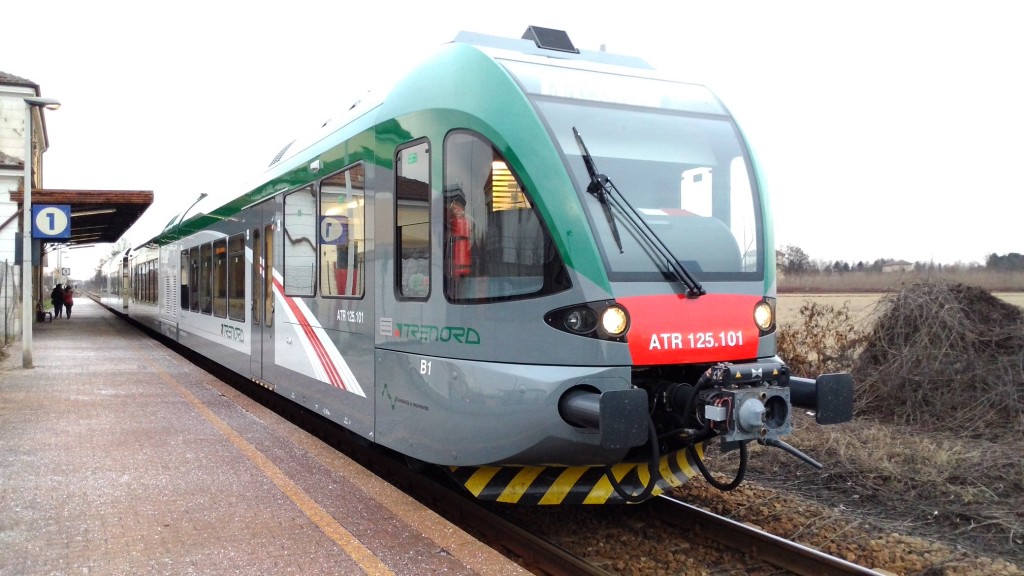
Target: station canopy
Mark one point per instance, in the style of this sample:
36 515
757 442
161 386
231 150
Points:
97 216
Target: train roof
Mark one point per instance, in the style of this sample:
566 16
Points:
536 45
546 43
537 42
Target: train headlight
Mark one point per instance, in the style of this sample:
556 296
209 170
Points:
581 321
614 321
764 316
603 320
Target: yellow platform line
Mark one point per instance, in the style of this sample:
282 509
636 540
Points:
351 545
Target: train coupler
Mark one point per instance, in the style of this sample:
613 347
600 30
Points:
738 402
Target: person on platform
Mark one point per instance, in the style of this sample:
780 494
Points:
69 300
57 297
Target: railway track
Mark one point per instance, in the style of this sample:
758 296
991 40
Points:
753 541
531 551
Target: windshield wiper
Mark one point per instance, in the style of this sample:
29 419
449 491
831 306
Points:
602 187
599 186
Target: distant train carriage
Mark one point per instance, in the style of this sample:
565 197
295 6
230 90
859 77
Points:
116 281
549 271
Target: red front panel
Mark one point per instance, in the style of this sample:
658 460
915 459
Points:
670 329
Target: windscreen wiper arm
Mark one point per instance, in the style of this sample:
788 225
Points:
599 186
602 187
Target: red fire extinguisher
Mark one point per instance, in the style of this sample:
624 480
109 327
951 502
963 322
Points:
458 236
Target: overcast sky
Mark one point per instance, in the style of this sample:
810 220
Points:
884 129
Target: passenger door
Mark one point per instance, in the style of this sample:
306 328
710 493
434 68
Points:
262 287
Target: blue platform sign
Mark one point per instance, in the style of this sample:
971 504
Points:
334 230
51 221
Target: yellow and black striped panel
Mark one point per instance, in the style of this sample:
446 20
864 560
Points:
571 485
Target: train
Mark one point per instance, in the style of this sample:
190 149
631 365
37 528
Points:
547 271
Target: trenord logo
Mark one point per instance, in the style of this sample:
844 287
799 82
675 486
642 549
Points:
428 333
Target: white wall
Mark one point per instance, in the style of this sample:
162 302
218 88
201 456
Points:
12 143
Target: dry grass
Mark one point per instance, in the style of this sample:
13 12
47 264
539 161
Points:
827 340
935 447
853 282
966 494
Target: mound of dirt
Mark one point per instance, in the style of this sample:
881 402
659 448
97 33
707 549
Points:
935 449
946 357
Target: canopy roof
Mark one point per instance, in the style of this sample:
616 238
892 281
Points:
97 216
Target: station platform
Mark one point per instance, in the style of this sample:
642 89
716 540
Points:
117 456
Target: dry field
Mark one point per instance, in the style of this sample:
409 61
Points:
860 305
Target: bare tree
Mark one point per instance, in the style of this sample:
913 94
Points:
793 260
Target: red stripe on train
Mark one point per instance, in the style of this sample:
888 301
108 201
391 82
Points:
318 347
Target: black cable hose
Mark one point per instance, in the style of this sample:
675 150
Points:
652 468
740 473
702 435
706 379
703 382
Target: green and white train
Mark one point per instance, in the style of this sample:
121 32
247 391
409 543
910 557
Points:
548 271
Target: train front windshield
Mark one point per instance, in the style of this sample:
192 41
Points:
674 155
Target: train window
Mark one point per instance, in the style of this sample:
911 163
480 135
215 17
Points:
496 247
220 278
412 220
300 242
193 264
686 175
184 279
205 279
236 277
342 204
